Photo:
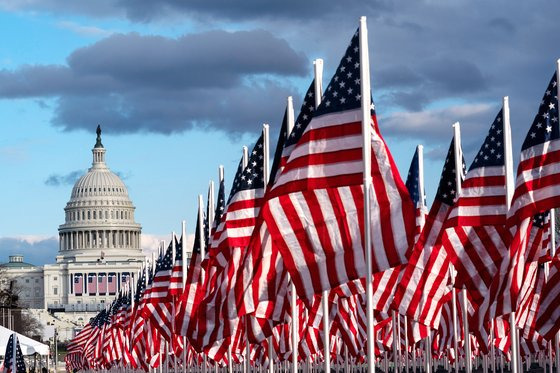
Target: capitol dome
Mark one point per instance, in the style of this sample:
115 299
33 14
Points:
99 217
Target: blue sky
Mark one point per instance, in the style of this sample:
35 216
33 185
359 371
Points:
179 87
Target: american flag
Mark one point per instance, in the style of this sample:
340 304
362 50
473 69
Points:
158 307
218 309
176 282
287 141
90 343
417 193
529 299
425 278
77 343
537 189
137 341
102 283
13 358
220 209
78 284
315 211
74 361
185 322
443 341
92 284
265 279
548 316
475 237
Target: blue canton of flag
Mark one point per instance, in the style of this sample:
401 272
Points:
197 246
413 182
304 117
491 152
447 191
9 357
252 176
545 125
165 262
344 91
140 287
540 219
220 207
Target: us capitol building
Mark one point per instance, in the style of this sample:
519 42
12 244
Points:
99 251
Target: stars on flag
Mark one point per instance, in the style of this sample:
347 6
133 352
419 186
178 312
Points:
492 149
545 125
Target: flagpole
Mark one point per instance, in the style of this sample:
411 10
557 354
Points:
210 204
203 253
468 361
14 354
395 342
405 331
458 180
266 176
553 219
508 157
366 154
318 88
455 327
202 249
428 341
244 162
492 348
295 340
184 281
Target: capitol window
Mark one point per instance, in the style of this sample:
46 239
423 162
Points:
55 291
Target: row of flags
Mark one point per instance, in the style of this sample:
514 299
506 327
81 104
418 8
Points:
279 267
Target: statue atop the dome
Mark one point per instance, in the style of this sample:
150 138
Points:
98 143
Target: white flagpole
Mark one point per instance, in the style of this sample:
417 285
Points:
244 162
508 157
318 85
428 340
266 176
468 361
455 326
492 348
295 329
405 331
458 169
366 154
184 280
14 354
557 336
420 150
396 343
458 180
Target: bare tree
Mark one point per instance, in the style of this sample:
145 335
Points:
21 320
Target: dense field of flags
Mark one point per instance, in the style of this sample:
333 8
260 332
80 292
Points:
328 259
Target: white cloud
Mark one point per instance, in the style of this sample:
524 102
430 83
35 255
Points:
434 126
150 242
83 30
33 238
